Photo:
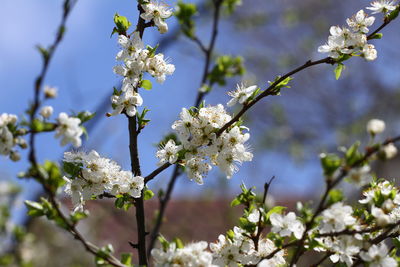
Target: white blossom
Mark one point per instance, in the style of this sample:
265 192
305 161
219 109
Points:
69 130
344 248
97 175
196 131
235 251
158 67
241 94
360 22
390 151
369 52
130 47
377 256
7 138
375 126
381 217
168 153
192 255
360 176
353 41
157 12
382 6
286 225
336 218
50 92
128 101
46 111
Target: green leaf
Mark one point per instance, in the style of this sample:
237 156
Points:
352 154
148 194
44 52
126 258
34 208
335 195
330 163
146 84
73 169
122 24
85 116
40 126
276 209
376 36
119 203
185 13
235 202
77 216
338 70
152 50
178 242
393 14
164 243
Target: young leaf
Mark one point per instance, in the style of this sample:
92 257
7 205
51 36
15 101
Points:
146 84
338 70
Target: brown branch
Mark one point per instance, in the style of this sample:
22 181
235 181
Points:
152 175
135 165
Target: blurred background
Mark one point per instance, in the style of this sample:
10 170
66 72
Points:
317 114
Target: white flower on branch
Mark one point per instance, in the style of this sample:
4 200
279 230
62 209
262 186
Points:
196 131
286 225
50 92
158 67
375 126
232 252
158 12
377 255
382 6
369 52
130 47
336 218
360 22
344 248
168 153
390 151
381 217
344 41
265 248
7 140
191 255
241 94
69 130
98 175
360 176
46 111
127 101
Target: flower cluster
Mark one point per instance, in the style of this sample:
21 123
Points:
8 136
91 175
286 225
238 248
136 60
351 41
197 129
69 130
192 255
157 12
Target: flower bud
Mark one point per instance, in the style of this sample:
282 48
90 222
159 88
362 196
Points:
375 126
